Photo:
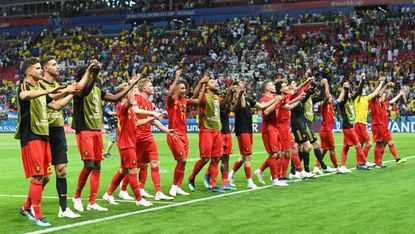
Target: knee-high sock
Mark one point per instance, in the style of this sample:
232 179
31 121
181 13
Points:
142 175
213 172
334 159
272 163
297 162
319 157
360 157
134 186
323 153
345 149
94 186
178 174
83 177
366 150
115 182
125 182
62 189
155 176
248 172
285 164
278 164
35 193
196 169
305 156
393 151
378 154
237 165
265 165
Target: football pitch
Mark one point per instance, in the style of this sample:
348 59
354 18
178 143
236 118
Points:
376 201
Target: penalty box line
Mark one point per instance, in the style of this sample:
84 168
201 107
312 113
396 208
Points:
83 223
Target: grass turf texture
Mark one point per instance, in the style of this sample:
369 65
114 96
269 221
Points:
376 201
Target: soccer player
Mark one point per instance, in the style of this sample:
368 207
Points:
57 138
127 123
327 125
293 97
270 132
210 141
33 132
87 123
179 145
361 105
303 135
146 148
381 134
347 117
227 150
110 126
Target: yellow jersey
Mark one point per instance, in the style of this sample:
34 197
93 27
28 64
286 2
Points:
361 106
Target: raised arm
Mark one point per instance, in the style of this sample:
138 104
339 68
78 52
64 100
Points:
116 97
173 85
240 100
59 104
395 99
199 86
326 91
272 107
32 94
379 87
360 87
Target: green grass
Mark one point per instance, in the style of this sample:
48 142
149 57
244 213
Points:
377 201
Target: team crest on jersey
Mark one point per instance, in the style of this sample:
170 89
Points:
180 153
247 149
37 168
274 147
134 161
86 153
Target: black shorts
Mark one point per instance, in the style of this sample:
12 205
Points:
312 134
302 133
58 146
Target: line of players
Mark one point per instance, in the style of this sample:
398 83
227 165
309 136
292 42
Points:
283 106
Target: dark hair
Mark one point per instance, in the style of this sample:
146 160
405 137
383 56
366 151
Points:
264 84
45 60
278 86
80 73
29 62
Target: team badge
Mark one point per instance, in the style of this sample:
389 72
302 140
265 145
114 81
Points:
134 161
247 149
180 153
86 153
37 168
274 147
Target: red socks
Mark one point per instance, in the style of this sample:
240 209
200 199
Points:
393 151
213 172
272 163
143 174
278 167
198 166
366 150
297 161
132 178
225 175
248 172
360 157
284 166
265 165
83 177
344 154
125 182
35 196
115 182
378 154
94 185
178 174
237 165
334 159
155 176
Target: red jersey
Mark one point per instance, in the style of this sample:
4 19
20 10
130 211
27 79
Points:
284 116
126 126
376 111
271 119
143 132
176 110
327 112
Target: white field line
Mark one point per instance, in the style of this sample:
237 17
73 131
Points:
83 223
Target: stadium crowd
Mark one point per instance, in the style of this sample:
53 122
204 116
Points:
341 45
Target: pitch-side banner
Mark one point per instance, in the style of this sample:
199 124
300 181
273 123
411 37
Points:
409 126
